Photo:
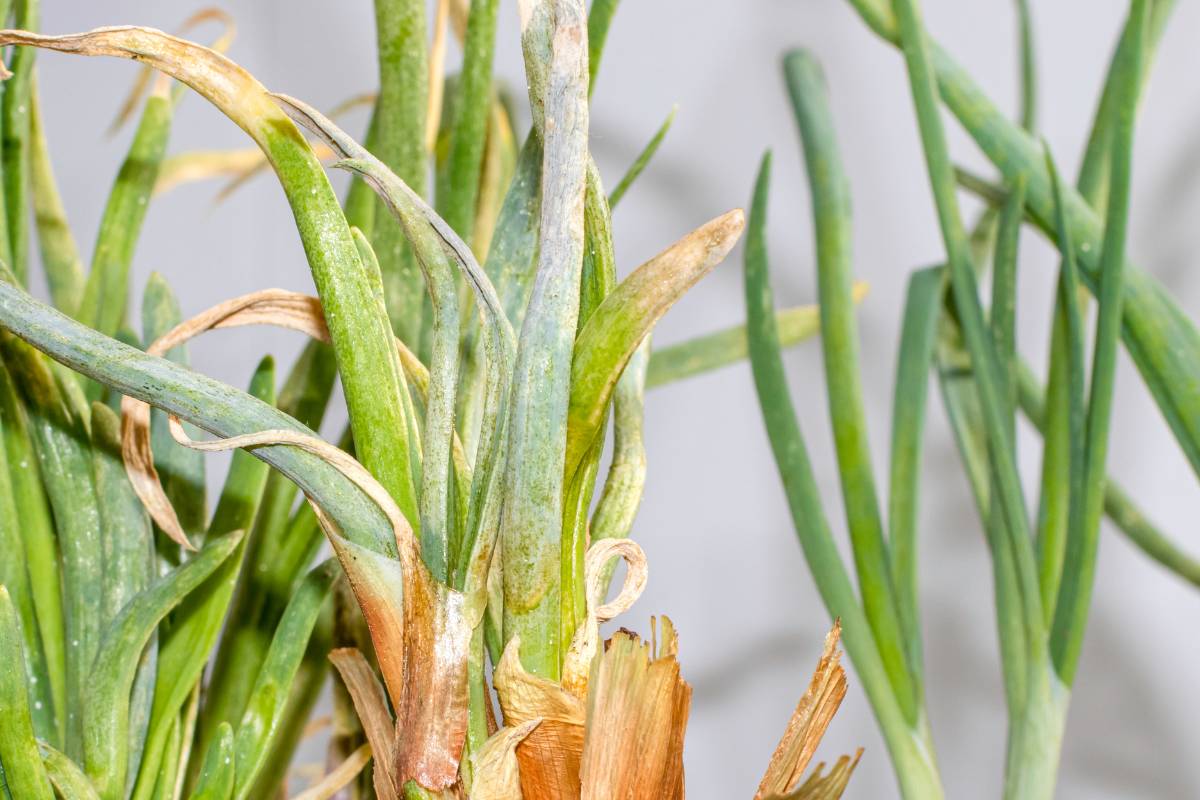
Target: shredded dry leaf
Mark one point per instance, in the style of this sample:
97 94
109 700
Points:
637 714
808 722
549 755
826 786
341 776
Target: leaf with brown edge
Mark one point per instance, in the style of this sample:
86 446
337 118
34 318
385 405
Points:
637 714
419 627
273 306
808 724
141 84
279 307
621 322
549 756
370 704
497 771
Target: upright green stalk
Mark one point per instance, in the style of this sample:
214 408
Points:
1070 617
910 748
18 97
531 520
839 340
458 188
398 125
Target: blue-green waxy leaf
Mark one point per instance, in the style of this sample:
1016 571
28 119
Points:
260 722
830 193
105 711
922 307
458 185
67 778
185 648
359 329
180 470
23 771
61 442
554 39
129 560
219 771
15 141
39 562
203 401
56 243
988 376
106 293
909 748
397 136
281 546
642 161
1163 342
15 576
1083 531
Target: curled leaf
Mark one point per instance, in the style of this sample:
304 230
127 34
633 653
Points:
578 663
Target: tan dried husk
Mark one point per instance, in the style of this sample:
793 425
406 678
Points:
807 726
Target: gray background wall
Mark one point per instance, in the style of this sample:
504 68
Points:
725 563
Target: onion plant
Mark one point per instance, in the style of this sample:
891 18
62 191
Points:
1043 554
468 301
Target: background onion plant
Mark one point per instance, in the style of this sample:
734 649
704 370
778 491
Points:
468 303
1043 551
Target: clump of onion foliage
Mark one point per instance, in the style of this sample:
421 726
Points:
1043 551
486 348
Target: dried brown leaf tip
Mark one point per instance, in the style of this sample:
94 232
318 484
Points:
804 731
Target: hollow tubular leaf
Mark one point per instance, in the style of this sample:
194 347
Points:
1001 447
219 770
260 723
922 307
399 128
1161 339
721 348
830 194
915 769
56 243
643 159
1083 534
